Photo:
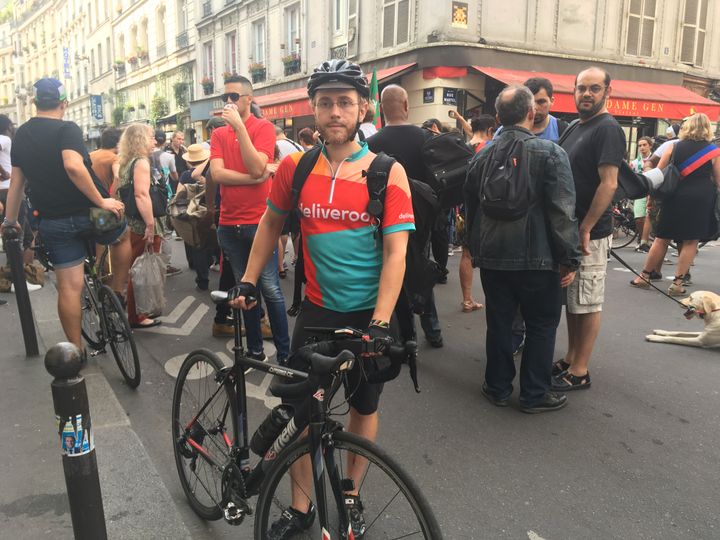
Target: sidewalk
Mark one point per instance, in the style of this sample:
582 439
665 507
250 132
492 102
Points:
33 503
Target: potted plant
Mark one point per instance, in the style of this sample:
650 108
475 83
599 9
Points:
227 74
132 60
208 85
291 63
142 54
130 108
141 106
257 71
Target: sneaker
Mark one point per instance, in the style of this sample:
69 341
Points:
566 382
498 402
435 341
172 271
551 402
442 280
655 276
687 279
223 330
355 514
265 328
643 248
215 267
30 287
518 342
259 356
291 523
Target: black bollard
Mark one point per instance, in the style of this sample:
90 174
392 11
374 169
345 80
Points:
72 411
13 247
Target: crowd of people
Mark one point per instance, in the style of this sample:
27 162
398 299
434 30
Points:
551 251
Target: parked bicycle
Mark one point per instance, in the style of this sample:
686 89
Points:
212 448
104 321
624 231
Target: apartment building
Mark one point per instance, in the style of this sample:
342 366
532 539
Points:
459 54
7 72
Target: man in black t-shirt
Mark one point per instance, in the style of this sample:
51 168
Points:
50 155
404 142
596 148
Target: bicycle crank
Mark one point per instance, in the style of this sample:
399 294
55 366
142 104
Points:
233 503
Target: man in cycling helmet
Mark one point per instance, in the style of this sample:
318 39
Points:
353 276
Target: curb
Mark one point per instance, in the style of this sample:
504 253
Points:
137 503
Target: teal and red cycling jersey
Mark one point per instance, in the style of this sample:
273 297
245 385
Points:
342 253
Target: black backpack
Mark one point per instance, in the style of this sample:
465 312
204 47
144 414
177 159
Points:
505 183
421 273
447 157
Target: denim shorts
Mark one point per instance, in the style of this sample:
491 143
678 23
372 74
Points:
65 239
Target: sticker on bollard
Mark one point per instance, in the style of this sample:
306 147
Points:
76 439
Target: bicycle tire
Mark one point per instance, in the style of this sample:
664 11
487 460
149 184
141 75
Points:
206 366
90 323
622 234
381 512
120 336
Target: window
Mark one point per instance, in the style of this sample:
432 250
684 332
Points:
258 34
231 52
396 22
108 51
692 48
181 16
292 21
100 59
208 61
338 10
641 27
160 26
92 63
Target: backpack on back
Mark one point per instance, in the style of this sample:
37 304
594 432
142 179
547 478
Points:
505 183
447 157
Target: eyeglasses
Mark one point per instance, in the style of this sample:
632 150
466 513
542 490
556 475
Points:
233 96
329 104
594 89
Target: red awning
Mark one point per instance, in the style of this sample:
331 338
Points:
629 98
293 103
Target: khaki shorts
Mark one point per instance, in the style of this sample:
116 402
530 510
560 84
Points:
586 293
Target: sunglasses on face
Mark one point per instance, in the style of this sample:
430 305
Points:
232 96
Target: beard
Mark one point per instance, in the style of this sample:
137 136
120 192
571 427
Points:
592 111
335 135
539 119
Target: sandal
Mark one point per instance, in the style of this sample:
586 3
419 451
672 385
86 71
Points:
471 305
559 366
566 382
145 324
676 289
644 282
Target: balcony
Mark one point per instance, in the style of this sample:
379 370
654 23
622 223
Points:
183 40
258 74
161 50
207 9
292 66
339 53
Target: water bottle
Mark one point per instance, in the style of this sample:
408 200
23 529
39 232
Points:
270 429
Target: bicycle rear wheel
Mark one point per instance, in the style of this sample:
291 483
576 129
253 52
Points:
90 324
394 506
120 337
623 233
201 478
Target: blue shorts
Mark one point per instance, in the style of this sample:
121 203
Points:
66 239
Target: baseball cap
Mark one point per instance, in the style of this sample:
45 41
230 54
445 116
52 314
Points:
160 136
49 90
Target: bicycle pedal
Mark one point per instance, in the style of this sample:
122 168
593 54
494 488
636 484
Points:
96 352
233 514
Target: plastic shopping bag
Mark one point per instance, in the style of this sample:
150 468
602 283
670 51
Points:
148 279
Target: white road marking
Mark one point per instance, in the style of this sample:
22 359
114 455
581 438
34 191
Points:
532 535
187 328
618 269
179 310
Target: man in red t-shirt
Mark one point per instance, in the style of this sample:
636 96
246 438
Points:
239 154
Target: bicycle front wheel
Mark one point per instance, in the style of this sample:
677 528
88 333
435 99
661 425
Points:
623 234
120 337
202 442
90 322
394 506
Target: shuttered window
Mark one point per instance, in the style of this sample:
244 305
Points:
692 43
396 22
641 28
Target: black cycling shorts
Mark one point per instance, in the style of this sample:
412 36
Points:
364 397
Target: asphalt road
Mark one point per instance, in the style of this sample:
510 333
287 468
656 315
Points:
634 457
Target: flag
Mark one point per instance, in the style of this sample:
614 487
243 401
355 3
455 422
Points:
375 99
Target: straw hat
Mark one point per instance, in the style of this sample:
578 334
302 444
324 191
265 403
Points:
196 153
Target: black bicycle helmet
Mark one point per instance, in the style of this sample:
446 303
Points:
338 74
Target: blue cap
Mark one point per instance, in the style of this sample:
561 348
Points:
49 90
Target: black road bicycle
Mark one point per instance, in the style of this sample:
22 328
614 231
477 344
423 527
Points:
104 321
212 449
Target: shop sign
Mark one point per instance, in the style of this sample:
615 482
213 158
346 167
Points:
641 108
287 110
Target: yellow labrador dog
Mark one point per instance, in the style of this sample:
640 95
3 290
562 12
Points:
705 305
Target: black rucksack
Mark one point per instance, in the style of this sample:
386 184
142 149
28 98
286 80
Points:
505 183
421 273
447 157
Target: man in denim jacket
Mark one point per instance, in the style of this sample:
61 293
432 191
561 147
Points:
524 262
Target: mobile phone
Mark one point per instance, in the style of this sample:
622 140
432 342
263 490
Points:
451 113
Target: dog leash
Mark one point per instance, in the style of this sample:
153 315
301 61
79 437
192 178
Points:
626 265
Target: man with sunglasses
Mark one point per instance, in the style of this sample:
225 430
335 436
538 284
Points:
596 148
353 275
240 153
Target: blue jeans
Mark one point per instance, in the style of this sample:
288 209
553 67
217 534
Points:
236 241
537 294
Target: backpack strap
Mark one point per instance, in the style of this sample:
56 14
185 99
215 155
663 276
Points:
571 126
377 178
